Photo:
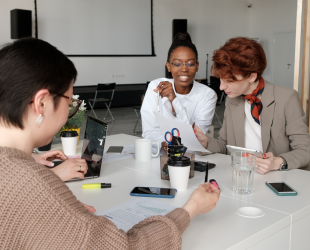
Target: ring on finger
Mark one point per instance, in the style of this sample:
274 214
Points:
257 167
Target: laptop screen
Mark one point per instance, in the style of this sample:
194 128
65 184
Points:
93 144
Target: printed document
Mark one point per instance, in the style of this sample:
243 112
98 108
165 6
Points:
126 215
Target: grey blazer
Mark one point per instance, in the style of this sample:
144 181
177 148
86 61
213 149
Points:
283 123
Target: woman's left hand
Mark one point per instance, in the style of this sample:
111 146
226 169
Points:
47 157
268 163
72 168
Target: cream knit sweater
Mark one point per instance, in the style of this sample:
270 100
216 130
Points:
38 211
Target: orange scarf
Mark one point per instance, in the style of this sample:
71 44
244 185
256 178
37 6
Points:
256 103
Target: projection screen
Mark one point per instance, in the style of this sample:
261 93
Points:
97 27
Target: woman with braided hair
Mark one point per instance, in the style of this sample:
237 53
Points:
181 97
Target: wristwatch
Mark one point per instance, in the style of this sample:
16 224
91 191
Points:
283 165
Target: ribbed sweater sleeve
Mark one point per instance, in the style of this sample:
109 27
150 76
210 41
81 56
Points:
38 211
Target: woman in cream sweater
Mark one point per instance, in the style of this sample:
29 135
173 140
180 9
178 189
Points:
37 209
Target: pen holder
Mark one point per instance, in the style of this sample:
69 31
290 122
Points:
164 173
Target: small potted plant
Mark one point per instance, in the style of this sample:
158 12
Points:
75 123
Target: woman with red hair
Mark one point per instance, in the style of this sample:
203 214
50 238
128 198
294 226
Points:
259 115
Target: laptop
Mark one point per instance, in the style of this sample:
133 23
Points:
93 147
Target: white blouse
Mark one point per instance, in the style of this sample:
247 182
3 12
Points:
253 131
198 106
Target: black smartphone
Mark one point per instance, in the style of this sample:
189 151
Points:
115 150
281 188
154 192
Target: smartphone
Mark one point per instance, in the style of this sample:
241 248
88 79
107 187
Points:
233 149
115 150
154 192
281 188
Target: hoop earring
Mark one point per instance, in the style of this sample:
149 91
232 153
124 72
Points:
39 119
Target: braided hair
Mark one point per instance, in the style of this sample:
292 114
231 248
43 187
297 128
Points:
181 40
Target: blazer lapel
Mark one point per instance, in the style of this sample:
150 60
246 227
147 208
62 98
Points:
267 114
238 116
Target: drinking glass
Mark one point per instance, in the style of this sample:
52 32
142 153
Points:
243 164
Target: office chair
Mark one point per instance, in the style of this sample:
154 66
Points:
103 87
137 109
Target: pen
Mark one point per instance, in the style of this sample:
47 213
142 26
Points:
193 127
207 172
96 185
158 101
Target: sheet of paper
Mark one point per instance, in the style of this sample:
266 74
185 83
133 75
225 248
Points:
187 134
126 215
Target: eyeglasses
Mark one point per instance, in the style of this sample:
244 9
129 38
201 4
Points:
179 65
73 107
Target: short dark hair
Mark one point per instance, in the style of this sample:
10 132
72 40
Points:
181 40
26 66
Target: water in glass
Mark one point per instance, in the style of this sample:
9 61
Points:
243 164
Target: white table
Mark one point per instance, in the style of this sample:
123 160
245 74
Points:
285 225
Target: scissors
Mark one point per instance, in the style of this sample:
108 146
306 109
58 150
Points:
170 135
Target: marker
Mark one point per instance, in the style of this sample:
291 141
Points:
193 127
96 185
213 182
207 172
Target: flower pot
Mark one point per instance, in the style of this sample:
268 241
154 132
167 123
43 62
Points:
78 130
46 147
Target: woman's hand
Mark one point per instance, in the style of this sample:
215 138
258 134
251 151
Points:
89 208
73 168
268 163
202 200
202 138
47 157
164 146
166 90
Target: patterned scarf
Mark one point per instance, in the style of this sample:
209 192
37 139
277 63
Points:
256 103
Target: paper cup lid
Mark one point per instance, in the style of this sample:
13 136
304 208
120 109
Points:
68 134
182 161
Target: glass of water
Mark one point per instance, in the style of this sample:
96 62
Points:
243 164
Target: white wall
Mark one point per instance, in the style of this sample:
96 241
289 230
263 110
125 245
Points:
268 17
210 23
5 19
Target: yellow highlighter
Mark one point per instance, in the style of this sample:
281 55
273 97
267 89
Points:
96 185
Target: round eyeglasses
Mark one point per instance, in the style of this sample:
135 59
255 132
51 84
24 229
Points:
178 65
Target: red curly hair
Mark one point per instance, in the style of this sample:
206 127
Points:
239 56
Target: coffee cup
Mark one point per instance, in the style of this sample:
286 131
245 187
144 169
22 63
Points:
69 141
179 168
143 149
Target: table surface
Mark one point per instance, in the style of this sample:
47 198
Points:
208 230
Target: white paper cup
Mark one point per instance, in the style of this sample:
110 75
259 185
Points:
143 149
179 177
69 142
